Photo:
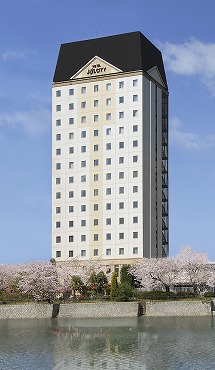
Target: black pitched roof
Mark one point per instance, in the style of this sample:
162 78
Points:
129 52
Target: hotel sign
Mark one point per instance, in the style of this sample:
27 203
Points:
96 67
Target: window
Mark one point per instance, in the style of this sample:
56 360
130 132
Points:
58 210
83 238
108 131
121 235
108 161
108 176
121 115
58 151
96 148
96 207
71 209
96 133
121 250
121 221
121 144
121 84
83 223
96 177
135 98
71 179
108 116
108 86
58 122
58 239
135 234
121 99
121 190
96 237
83 253
83 134
58 137
83 208
71 106
121 205
83 178
83 149
58 195
95 252
108 101
108 236
96 192
96 103
71 223
108 252
135 189
71 194
96 88
108 206
96 117
108 221
135 250
96 162
135 143
83 90
71 135
57 225
58 93
83 119
135 204
135 128
135 174
71 150
58 108
121 175
57 181
71 92
70 253
83 193
71 238
135 158
71 165
108 146
135 83
96 222
71 121
83 104
121 130
121 160
135 113
58 166
58 254
108 191
83 164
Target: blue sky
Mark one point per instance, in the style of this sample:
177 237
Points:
31 32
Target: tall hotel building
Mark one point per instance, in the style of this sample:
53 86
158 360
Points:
110 151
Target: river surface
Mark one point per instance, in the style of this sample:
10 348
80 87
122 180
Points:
127 344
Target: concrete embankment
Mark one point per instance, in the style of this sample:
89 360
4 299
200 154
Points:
106 309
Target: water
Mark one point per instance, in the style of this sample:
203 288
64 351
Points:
133 343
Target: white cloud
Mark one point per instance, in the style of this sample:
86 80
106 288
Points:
187 139
193 57
16 54
34 122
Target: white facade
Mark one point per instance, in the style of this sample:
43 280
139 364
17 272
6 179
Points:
107 166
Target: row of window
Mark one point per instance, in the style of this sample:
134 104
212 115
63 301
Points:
83 193
121 85
96 147
83 237
121 221
96 252
121 115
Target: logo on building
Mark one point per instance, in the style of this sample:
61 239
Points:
96 68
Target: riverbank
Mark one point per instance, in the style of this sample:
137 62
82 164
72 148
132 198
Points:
107 309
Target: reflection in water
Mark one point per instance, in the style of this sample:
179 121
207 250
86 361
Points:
132 343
